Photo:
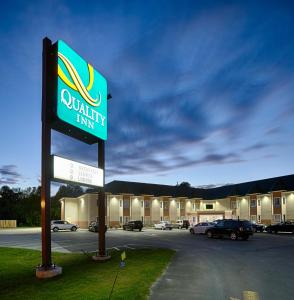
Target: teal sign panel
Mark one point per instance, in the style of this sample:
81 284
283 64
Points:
81 93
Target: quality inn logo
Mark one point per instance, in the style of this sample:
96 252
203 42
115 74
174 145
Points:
82 93
77 84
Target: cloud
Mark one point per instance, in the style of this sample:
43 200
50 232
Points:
204 77
9 175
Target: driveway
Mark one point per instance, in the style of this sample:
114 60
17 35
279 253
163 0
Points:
201 269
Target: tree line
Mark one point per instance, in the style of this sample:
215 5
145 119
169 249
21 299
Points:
24 205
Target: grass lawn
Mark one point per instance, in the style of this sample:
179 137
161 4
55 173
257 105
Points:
82 278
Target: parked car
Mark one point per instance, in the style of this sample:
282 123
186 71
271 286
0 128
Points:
257 227
94 226
201 228
182 224
57 225
132 225
233 229
163 225
281 227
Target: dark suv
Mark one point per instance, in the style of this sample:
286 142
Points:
133 225
281 227
233 229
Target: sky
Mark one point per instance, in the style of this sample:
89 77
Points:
202 91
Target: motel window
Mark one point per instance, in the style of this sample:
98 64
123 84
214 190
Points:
182 205
193 206
258 218
120 203
209 206
126 203
160 204
284 200
120 219
178 205
142 203
165 205
258 202
277 202
147 204
252 203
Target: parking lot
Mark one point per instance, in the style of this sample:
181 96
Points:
202 268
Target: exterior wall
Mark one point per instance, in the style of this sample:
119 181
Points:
173 210
155 210
136 208
71 210
223 204
290 206
266 209
83 211
115 214
244 208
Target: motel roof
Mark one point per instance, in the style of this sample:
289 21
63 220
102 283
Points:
264 186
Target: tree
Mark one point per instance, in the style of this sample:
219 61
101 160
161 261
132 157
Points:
185 184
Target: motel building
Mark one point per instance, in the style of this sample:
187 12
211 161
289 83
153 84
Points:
265 201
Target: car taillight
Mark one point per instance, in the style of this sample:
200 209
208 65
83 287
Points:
241 228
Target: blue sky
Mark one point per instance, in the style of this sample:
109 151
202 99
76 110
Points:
202 90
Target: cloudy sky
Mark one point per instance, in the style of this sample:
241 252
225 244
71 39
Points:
202 90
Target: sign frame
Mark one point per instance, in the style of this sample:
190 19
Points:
49 121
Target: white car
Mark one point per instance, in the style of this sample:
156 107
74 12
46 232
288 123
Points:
63 225
201 228
163 225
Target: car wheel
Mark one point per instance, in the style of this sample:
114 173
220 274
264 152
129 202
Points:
170 228
245 238
276 231
270 231
209 234
192 231
55 229
140 229
74 228
233 236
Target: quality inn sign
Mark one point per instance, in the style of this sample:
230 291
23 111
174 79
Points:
80 107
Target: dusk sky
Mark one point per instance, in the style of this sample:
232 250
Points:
202 91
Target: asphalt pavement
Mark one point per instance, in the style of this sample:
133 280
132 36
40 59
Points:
204 269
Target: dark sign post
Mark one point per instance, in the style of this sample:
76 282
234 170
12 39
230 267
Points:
66 77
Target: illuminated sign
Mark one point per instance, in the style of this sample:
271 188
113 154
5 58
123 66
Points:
81 93
68 170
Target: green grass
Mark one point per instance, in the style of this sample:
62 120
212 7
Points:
82 278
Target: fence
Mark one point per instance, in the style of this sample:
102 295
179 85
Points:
7 223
